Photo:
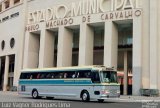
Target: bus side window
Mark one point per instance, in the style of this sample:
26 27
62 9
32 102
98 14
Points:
60 75
27 76
74 75
65 75
87 75
38 76
24 76
84 74
95 77
52 76
34 75
77 74
31 76
42 76
56 75
69 74
48 76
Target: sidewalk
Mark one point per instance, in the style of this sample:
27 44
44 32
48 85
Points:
9 92
139 99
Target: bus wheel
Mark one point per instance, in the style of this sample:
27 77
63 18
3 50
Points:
85 96
100 100
35 94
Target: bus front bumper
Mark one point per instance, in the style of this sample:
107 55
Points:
105 97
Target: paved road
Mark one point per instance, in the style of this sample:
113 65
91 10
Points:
13 99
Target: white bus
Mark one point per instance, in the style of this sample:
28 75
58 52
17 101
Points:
87 83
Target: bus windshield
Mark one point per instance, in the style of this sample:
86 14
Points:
109 77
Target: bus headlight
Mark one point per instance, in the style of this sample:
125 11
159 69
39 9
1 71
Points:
105 91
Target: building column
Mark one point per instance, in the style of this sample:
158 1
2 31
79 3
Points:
16 71
153 44
86 45
26 51
146 45
22 1
6 72
19 57
137 55
31 53
3 6
46 56
125 81
65 44
159 47
110 45
11 3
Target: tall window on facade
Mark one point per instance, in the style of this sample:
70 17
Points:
98 45
2 45
11 63
12 42
0 7
2 72
11 67
125 36
55 48
16 1
34 41
6 4
125 55
75 50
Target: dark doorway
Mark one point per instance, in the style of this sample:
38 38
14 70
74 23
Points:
2 72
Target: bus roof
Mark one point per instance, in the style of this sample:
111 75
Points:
94 67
